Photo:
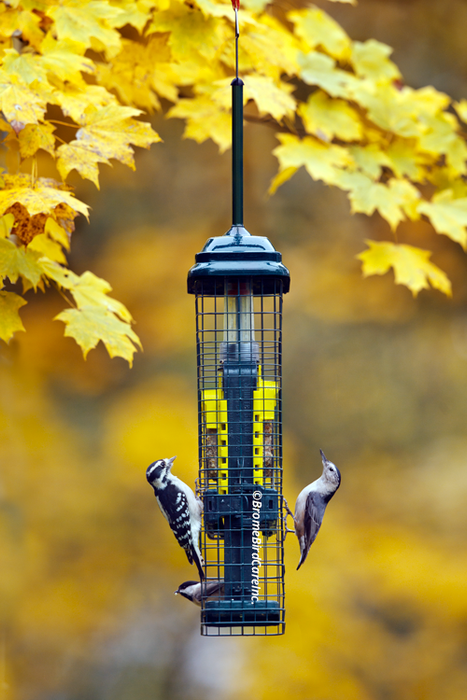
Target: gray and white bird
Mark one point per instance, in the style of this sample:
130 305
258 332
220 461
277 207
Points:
311 504
196 591
181 508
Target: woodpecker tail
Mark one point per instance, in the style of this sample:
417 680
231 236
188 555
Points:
198 559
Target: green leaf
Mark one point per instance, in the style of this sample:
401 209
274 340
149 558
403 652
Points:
411 265
10 321
91 324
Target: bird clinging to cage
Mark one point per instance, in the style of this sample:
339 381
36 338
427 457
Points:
181 508
311 504
197 591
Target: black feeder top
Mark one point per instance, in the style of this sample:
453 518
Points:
238 254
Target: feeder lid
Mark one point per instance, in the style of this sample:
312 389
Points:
238 253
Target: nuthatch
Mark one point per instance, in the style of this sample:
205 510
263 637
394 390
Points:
311 504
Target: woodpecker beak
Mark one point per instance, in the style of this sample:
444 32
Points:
171 461
323 457
176 592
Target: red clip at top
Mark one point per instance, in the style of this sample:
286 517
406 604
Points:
236 4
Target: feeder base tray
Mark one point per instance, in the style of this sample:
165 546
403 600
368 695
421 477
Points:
230 613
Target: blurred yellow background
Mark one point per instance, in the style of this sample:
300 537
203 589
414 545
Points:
375 378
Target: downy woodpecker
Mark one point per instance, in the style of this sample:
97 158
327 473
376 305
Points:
180 507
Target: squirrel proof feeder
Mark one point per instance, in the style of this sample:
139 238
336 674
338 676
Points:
239 281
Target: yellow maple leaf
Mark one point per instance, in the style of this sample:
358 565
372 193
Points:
319 69
207 33
92 324
387 107
108 132
10 321
439 136
8 21
317 28
281 177
405 111
130 74
36 136
267 48
255 5
57 233
77 156
46 246
136 13
461 109
270 98
90 24
6 224
63 60
25 66
28 23
405 160
369 159
327 118
370 60
322 161
204 120
39 196
393 200
19 262
87 289
447 215
74 101
165 80
214 9
20 103
412 266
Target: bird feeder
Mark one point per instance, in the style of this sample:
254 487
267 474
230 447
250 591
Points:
239 281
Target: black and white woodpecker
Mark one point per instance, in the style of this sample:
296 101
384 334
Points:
311 504
181 508
196 591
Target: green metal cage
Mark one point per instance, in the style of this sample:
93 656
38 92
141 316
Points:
239 281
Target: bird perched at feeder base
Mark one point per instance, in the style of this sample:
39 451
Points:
181 508
311 504
196 591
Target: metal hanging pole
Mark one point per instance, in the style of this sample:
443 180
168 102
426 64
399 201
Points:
237 138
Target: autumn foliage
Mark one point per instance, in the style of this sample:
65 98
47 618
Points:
76 77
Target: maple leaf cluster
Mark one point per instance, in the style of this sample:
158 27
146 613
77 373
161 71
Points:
68 64
48 80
